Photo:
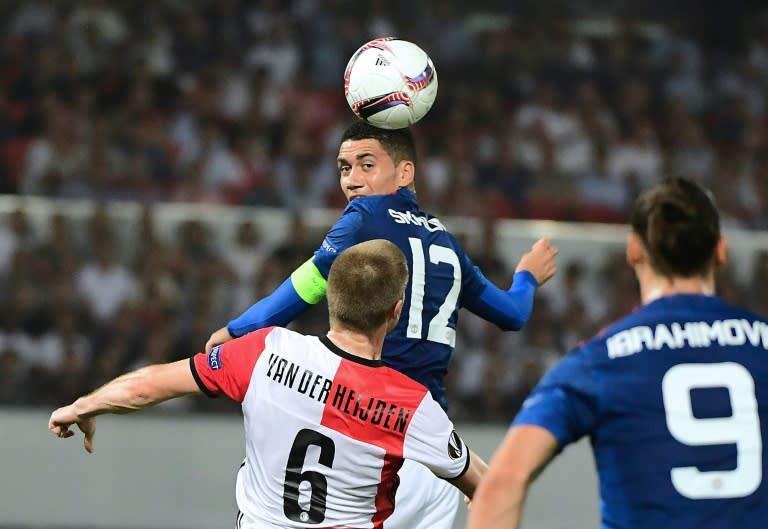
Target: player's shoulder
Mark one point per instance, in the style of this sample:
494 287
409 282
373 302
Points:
367 205
280 335
640 315
596 343
735 312
685 308
396 216
401 386
670 319
293 346
594 348
403 199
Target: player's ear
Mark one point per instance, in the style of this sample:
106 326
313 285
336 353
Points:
721 252
635 250
405 173
397 308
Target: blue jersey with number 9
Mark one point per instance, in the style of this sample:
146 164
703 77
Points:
442 279
675 401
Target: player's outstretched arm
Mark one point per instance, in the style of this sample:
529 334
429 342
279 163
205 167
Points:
468 482
540 261
510 309
304 288
498 501
127 393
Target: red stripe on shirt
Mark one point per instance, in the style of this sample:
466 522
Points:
228 370
374 405
385 494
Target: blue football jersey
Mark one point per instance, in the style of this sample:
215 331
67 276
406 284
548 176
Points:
442 279
674 398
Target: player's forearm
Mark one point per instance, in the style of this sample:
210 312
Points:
124 394
498 503
523 453
509 309
137 390
470 480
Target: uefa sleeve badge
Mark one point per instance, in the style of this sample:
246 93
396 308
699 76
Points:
455 446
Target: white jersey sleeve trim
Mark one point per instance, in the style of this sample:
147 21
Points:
432 441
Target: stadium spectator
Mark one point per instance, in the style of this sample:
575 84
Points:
105 284
13 378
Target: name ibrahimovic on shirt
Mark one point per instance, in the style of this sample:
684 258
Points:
353 403
689 334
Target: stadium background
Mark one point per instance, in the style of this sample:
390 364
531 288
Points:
165 163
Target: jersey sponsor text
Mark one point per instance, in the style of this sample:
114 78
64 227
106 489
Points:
407 217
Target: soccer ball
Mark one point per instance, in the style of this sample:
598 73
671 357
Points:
390 83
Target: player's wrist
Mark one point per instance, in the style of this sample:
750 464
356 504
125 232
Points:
230 330
526 276
81 409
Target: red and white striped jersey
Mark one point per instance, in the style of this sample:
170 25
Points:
326 431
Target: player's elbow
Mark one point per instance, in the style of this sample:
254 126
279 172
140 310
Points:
513 317
141 390
511 324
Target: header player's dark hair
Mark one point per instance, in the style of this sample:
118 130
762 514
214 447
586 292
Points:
398 143
364 284
679 225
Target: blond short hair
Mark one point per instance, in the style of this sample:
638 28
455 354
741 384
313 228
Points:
364 283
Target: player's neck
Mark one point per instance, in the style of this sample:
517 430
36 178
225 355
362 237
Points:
659 287
357 343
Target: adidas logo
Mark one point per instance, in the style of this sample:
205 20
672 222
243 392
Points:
381 61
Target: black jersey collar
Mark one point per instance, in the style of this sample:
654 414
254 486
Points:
349 356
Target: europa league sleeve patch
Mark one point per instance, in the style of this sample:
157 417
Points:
455 446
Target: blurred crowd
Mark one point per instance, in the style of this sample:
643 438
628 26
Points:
551 109
87 299
547 109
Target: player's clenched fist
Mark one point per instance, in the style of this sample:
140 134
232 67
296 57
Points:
540 261
217 338
64 417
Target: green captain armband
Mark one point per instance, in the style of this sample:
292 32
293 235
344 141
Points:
309 283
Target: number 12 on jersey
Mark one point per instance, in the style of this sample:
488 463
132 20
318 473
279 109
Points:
438 329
